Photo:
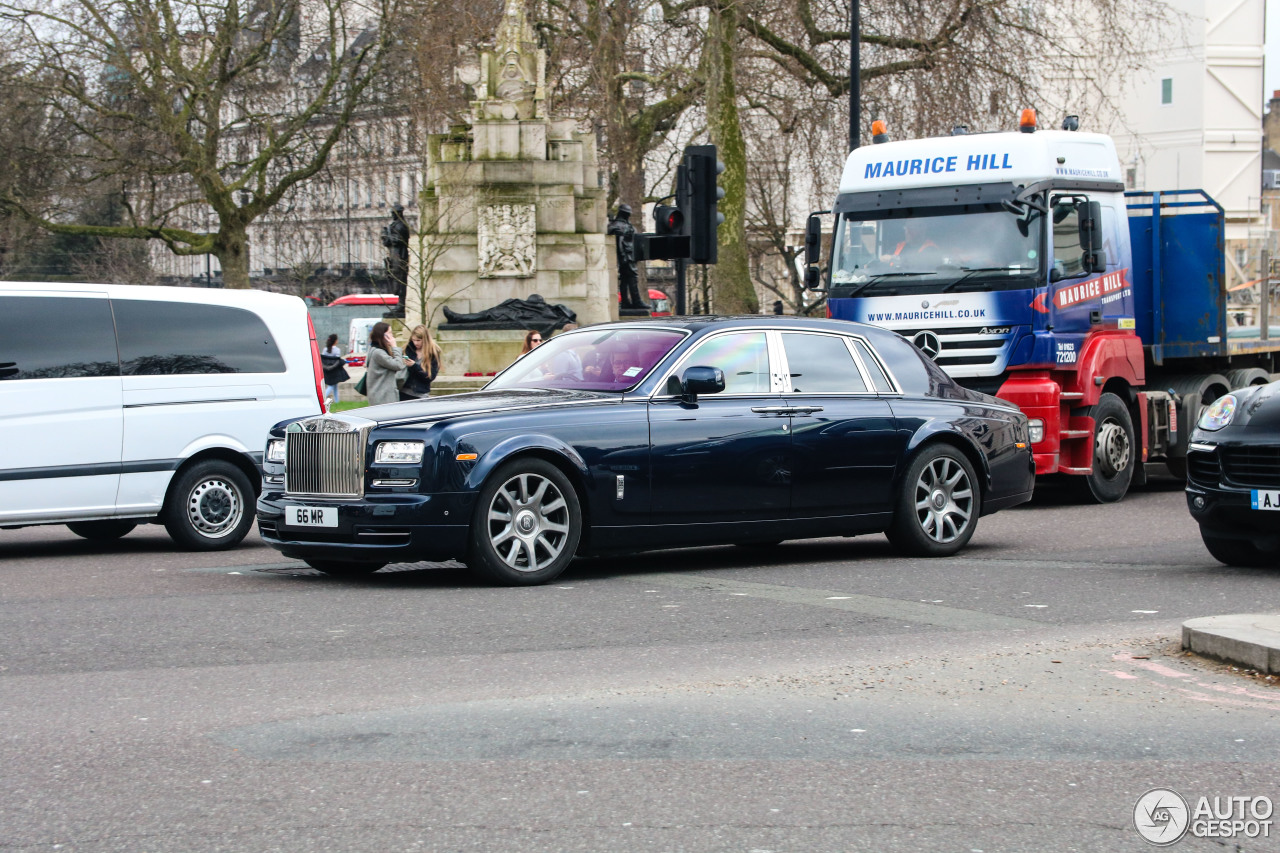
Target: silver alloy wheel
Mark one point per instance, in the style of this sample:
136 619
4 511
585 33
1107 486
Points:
214 507
528 522
1111 447
944 499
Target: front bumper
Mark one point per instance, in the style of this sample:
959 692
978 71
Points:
1227 513
378 528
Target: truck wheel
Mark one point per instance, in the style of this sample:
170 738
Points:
937 507
1246 376
527 524
102 531
1115 453
210 506
1238 552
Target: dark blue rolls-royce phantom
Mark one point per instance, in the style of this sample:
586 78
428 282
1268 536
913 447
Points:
652 434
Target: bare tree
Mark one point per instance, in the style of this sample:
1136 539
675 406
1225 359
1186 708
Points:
183 107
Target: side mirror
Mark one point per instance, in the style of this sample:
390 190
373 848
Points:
1090 215
701 380
813 240
812 278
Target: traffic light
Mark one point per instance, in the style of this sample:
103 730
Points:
701 169
669 220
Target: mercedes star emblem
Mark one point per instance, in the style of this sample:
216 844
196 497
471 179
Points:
928 343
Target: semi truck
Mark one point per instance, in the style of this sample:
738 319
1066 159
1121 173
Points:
1020 265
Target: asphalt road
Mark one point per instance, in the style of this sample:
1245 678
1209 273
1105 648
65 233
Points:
816 696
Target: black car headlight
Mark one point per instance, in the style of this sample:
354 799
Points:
398 453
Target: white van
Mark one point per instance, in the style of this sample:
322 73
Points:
123 405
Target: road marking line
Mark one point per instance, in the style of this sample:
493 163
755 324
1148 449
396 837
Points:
869 605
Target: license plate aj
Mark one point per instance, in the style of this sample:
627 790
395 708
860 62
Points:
1266 499
311 516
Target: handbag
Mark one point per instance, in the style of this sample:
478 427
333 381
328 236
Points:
361 388
401 376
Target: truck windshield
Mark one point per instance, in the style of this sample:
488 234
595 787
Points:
989 249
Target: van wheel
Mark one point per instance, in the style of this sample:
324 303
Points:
101 531
210 507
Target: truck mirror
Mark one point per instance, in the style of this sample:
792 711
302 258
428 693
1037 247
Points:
813 240
812 278
1089 214
1096 261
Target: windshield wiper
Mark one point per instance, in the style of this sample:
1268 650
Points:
971 272
882 276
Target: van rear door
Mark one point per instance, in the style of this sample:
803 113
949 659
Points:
60 407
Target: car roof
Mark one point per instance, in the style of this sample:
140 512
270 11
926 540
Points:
702 323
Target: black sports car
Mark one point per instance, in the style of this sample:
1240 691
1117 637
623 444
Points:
652 434
1233 476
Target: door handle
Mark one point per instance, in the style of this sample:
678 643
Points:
772 410
805 410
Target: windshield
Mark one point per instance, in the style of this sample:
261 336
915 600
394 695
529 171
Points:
990 249
600 360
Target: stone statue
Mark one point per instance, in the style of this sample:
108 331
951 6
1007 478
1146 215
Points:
395 236
628 280
532 313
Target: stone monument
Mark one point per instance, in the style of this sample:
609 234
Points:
511 206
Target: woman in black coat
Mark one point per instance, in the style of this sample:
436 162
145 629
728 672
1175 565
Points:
425 353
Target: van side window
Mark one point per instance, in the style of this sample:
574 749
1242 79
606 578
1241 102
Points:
173 338
56 337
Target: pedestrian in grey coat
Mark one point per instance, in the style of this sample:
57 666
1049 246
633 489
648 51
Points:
381 365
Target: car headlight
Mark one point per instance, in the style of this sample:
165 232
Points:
1035 430
1219 414
398 453
275 450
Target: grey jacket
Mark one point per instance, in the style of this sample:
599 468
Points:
380 376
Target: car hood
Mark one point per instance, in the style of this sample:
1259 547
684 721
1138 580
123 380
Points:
477 402
1262 407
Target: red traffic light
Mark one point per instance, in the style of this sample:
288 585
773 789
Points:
670 220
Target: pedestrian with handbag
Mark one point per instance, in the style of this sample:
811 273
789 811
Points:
334 367
425 355
383 363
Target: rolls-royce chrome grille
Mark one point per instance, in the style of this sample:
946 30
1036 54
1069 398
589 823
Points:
324 464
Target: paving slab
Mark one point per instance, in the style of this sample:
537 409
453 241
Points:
1251 639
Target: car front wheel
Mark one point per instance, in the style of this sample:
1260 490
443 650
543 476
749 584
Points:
938 504
210 507
527 524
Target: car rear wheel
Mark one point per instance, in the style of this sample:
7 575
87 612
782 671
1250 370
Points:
1238 552
527 524
344 568
210 506
938 504
101 531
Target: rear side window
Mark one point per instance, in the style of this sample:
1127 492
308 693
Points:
873 367
821 364
56 337
174 338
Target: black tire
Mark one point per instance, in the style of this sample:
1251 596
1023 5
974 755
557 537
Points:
1238 552
211 506
1115 453
530 505
938 503
102 531
344 568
